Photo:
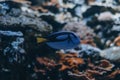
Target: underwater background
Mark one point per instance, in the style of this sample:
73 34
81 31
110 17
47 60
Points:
59 40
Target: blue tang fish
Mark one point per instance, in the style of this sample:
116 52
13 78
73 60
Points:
61 40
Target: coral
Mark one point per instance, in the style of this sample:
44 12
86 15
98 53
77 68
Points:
117 41
69 61
80 29
17 15
96 22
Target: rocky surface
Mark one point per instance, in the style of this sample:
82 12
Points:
17 15
96 22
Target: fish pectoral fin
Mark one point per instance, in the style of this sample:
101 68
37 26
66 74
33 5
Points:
40 40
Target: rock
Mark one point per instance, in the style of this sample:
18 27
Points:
19 26
111 53
105 16
80 29
16 16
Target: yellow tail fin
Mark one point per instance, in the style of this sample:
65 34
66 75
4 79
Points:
40 40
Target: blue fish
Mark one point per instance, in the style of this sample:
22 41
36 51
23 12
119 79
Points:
61 40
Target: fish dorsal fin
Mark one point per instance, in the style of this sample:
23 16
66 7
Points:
40 40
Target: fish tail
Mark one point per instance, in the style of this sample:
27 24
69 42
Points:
40 40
